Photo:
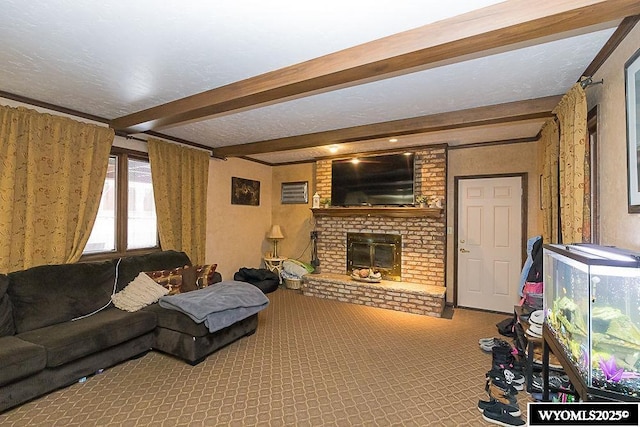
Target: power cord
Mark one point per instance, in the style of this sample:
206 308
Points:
303 251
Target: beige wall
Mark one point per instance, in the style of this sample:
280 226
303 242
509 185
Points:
236 234
617 226
295 220
492 160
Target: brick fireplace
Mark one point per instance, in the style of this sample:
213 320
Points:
423 238
421 285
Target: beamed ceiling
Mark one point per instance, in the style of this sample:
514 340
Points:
286 81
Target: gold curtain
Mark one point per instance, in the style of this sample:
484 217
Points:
549 137
53 171
180 177
572 118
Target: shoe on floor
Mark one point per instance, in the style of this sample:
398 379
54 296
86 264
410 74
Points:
502 384
502 354
510 375
500 395
501 417
487 344
495 406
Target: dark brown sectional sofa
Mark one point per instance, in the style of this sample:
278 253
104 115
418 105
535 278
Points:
53 331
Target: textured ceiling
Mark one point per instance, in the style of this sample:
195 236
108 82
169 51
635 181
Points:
111 58
489 80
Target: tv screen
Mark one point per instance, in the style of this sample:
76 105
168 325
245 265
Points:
377 180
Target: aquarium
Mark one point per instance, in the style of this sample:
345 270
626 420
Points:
592 309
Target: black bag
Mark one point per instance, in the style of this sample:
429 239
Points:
506 327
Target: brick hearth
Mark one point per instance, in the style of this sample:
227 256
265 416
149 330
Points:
400 296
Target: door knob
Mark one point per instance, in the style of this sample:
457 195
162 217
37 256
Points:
464 251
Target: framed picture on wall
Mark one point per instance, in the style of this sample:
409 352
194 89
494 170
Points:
245 191
632 92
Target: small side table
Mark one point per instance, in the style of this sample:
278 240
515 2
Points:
275 265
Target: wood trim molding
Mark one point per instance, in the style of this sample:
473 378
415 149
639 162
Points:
621 32
392 212
479 32
492 114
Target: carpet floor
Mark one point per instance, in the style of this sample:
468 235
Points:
312 362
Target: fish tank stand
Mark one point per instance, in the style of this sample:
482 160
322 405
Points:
585 392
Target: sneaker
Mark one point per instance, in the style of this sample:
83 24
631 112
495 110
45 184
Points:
556 382
510 375
560 382
495 406
536 382
501 417
487 346
506 377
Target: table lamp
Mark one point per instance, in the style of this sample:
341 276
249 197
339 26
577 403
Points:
275 234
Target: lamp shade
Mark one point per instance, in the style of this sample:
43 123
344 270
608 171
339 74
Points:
275 233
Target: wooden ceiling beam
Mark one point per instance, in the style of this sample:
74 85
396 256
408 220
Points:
453 39
492 114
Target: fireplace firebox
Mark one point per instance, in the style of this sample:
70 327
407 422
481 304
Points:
375 250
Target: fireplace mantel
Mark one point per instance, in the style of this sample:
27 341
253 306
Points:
394 212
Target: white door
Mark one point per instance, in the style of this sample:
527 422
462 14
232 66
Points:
489 246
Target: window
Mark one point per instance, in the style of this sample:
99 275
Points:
126 217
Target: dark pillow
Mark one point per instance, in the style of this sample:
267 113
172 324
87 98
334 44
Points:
6 314
189 276
205 275
51 294
256 274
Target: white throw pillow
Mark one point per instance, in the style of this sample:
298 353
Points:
139 293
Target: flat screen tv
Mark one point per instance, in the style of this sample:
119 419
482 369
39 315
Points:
373 181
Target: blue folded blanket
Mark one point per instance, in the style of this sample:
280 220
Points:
219 305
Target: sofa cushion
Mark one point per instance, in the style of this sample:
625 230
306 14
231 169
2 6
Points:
68 341
177 321
50 294
19 359
7 327
129 267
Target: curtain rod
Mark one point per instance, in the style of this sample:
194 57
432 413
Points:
193 145
588 81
